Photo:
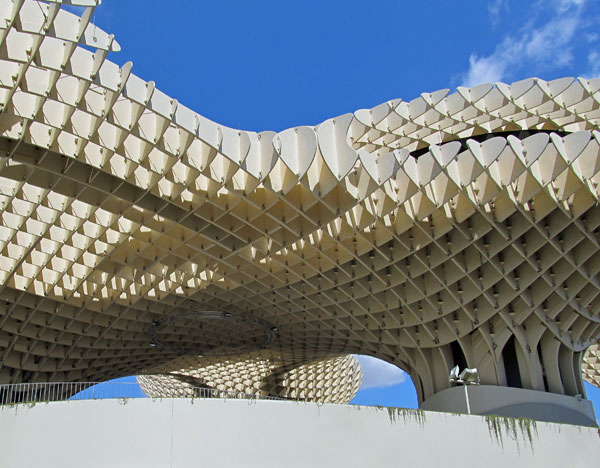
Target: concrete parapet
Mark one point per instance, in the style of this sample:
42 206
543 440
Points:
191 433
513 402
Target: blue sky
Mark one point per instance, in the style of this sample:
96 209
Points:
272 64
385 385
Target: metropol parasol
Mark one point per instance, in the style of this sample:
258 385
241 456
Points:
139 237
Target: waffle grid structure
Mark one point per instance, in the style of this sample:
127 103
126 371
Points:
590 367
453 228
334 380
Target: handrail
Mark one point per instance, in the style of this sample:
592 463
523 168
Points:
62 391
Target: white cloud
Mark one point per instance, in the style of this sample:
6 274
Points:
495 8
594 64
484 70
378 373
564 5
538 46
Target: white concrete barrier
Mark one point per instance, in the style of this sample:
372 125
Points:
236 433
513 402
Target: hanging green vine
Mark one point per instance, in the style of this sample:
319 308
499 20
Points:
498 426
406 414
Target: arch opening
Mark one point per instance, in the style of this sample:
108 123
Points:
385 384
511 364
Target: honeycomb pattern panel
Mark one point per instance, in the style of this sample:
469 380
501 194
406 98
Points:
334 380
454 227
590 367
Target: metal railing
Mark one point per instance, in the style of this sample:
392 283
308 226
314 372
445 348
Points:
62 391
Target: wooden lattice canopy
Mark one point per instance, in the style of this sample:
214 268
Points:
453 228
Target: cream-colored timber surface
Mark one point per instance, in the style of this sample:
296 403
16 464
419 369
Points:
446 228
590 367
333 380
190 433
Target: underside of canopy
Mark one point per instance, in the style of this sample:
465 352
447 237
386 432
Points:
451 229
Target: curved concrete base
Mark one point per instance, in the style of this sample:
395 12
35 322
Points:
513 402
237 433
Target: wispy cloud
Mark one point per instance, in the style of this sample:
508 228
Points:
594 65
495 9
564 5
538 45
378 373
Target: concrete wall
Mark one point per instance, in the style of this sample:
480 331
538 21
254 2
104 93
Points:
513 402
237 433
